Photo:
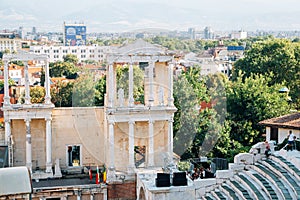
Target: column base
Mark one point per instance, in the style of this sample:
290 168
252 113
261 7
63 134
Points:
29 166
111 174
49 168
130 170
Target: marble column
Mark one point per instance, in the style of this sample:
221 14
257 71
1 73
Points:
151 95
6 85
131 144
111 139
7 131
151 144
170 137
47 84
170 96
111 87
27 87
130 88
28 145
48 146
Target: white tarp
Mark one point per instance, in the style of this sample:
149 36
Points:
15 180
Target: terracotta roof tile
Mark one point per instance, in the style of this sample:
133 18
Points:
285 121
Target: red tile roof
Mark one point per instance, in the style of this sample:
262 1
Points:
291 121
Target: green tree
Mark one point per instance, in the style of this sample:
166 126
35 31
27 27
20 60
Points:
250 100
61 94
37 94
100 91
281 57
186 118
60 69
70 58
84 91
123 81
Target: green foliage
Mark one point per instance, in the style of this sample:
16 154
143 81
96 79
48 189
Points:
280 57
18 62
61 94
186 118
37 94
60 69
84 91
100 91
183 166
138 79
250 100
71 58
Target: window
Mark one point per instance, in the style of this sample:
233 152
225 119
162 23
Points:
73 155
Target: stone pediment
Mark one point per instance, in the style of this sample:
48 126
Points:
141 48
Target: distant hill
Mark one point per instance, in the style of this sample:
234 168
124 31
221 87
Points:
124 16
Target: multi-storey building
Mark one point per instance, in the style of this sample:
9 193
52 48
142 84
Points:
83 53
9 42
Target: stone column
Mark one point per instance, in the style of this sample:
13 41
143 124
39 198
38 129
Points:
130 90
131 144
151 97
47 84
7 131
111 138
27 87
151 144
170 137
111 86
6 85
170 96
28 145
48 146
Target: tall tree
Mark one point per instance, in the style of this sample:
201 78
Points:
71 58
60 69
37 94
100 91
250 100
281 57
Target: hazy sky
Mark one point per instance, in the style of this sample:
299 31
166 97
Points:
174 13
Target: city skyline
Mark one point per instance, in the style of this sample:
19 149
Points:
130 15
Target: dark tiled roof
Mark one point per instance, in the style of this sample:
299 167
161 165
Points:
286 121
62 182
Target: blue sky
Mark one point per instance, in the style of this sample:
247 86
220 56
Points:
133 14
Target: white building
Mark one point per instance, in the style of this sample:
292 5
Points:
83 53
7 43
239 35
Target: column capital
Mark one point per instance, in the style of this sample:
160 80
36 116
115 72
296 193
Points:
48 118
27 120
170 119
111 122
151 121
131 122
7 120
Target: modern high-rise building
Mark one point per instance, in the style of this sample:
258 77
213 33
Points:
74 34
208 33
192 33
34 30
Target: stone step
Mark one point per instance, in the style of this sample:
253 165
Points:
252 186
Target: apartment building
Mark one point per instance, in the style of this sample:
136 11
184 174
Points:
9 42
56 53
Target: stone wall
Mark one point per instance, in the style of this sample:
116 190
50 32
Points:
141 132
70 126
121 191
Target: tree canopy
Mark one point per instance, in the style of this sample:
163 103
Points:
279 57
